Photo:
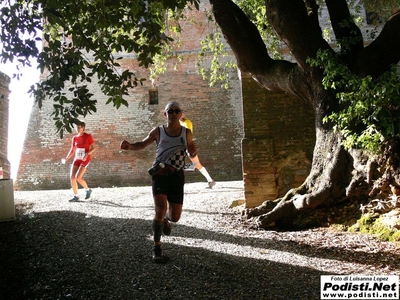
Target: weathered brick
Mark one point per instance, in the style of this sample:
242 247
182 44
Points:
278 142
4 112
267 139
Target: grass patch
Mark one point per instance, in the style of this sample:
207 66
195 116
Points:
373 224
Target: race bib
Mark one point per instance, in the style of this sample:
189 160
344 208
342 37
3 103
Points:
80 153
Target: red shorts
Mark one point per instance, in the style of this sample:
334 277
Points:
82 163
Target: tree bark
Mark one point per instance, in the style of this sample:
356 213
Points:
332 174
329 177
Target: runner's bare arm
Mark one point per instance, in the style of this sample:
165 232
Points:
148 140
191 146
71 151
92 148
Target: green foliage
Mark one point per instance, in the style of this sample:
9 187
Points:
375 225
383 8
256 11
211 64
169 50
368 111
20 31
83 41
217 71
77 42
396 236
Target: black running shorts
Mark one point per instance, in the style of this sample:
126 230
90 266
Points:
171 186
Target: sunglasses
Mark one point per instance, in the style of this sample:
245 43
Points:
171 111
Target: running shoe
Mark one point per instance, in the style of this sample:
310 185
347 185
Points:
88 193
158 256
211 184
75 199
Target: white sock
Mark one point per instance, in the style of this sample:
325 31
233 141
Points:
205 174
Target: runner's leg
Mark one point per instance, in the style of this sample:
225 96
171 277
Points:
79 177
74 183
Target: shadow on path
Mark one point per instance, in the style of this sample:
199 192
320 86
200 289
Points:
65 255
68 255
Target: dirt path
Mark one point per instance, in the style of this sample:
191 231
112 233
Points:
101 249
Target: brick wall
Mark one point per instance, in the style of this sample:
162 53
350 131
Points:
4 113
215 113
279 138
267 139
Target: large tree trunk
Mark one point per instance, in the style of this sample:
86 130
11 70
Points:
330 175
335 173
342 177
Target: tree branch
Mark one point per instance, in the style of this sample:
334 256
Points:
297 25
250 50
376 58
242 35
346 31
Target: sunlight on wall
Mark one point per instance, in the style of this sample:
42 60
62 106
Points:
20 106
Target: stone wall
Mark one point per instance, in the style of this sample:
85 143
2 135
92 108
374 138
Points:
4 113
279 139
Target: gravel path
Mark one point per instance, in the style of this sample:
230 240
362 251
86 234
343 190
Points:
101 249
